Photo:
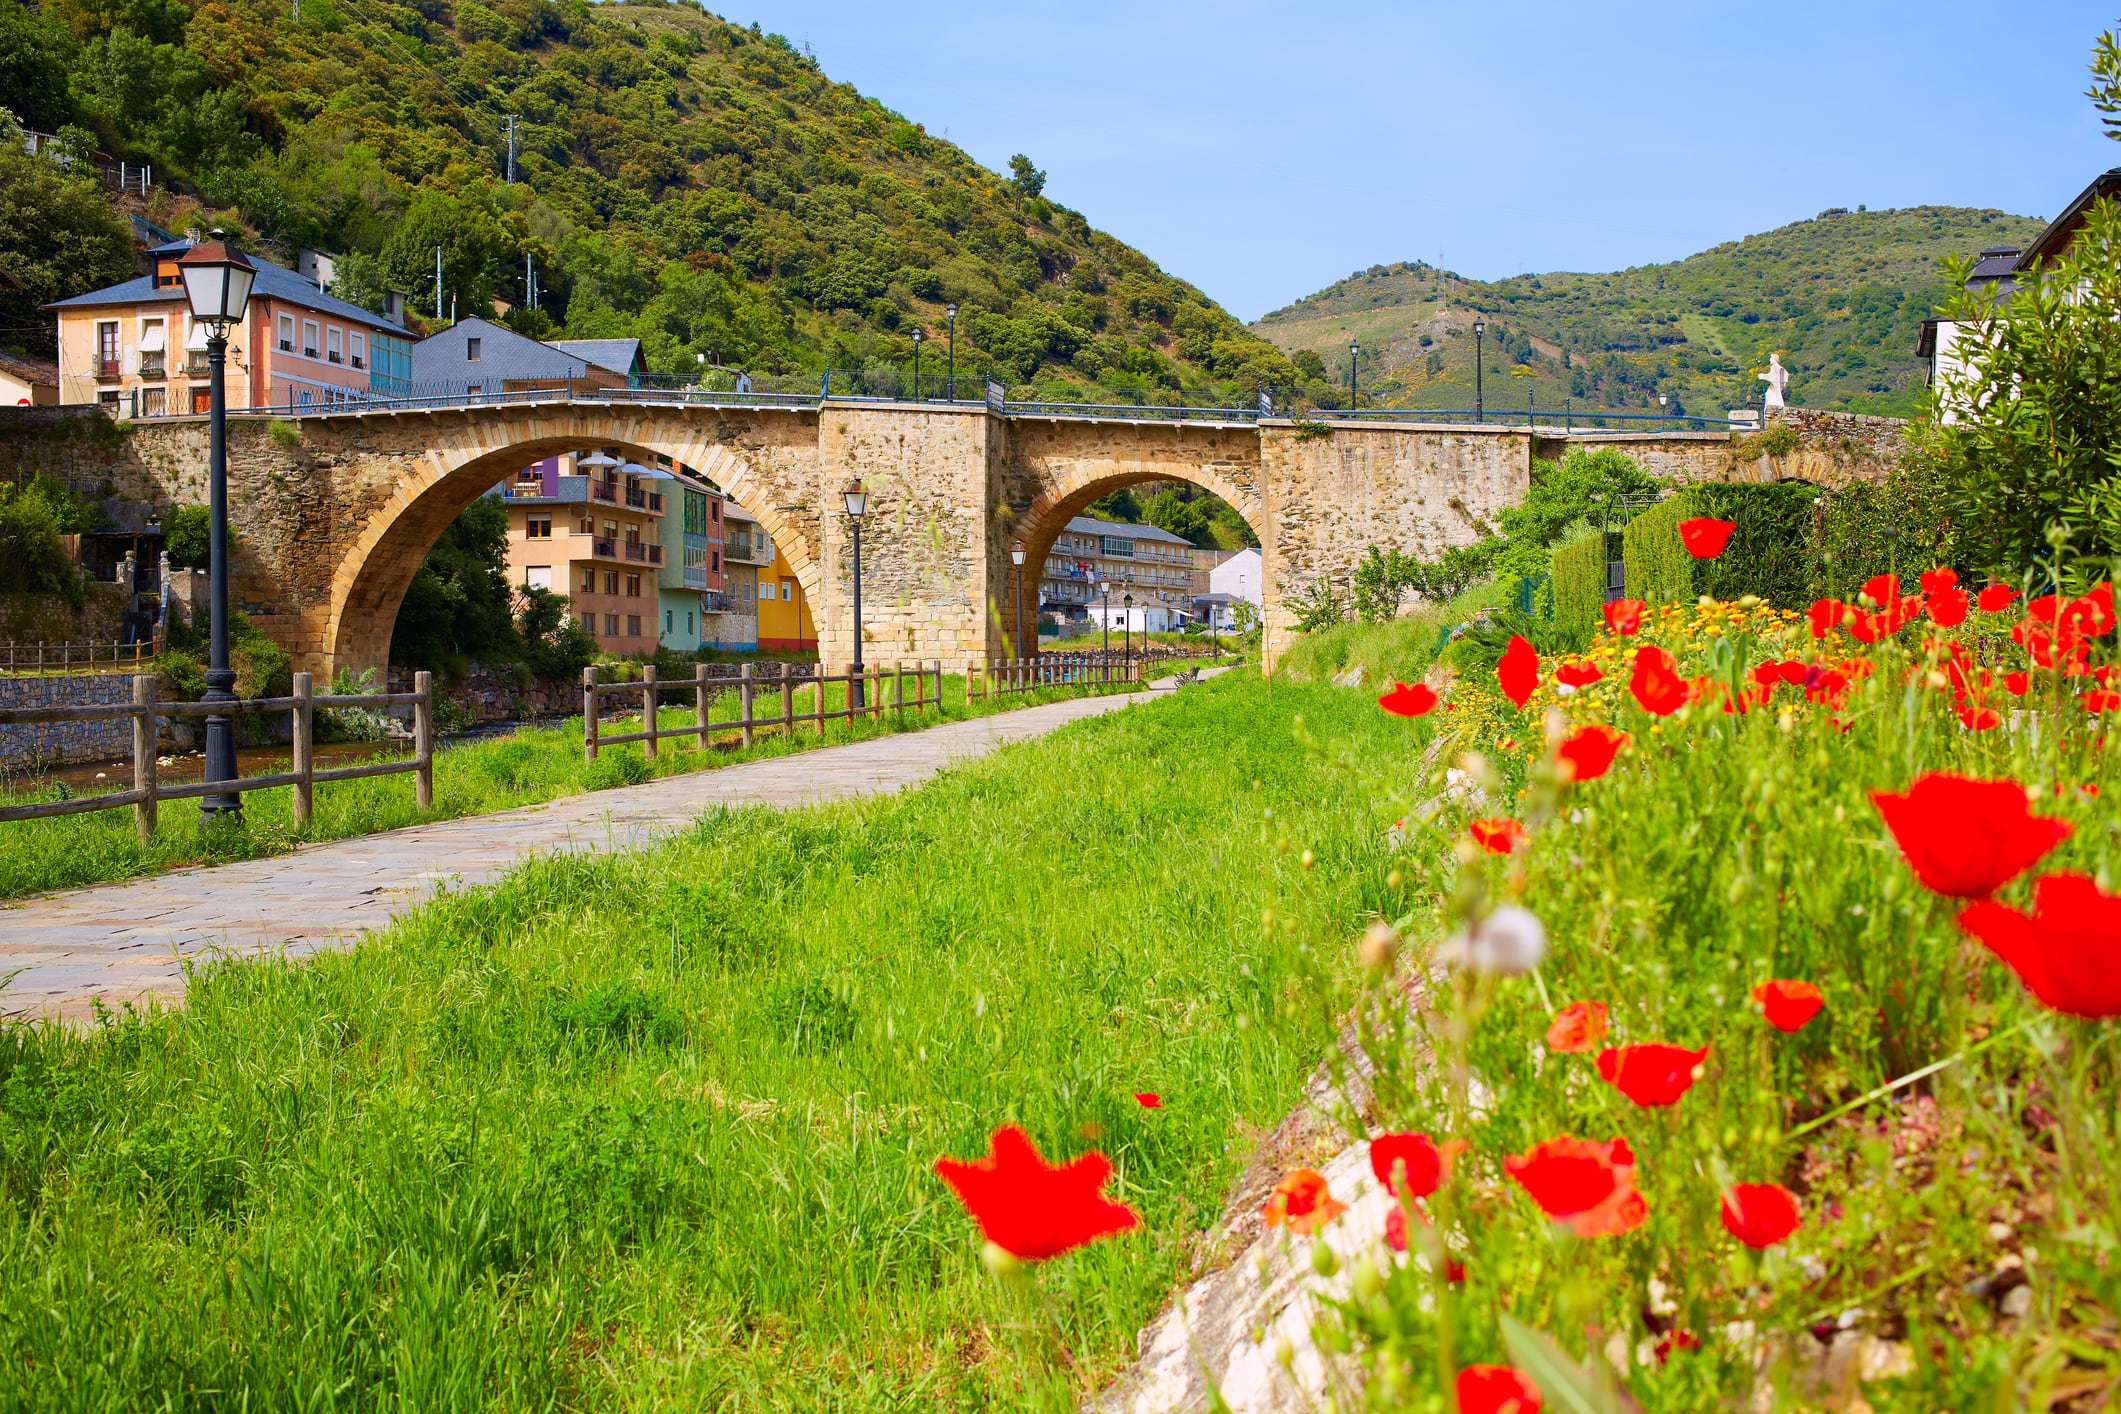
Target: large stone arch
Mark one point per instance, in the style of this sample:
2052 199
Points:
432 487
1059 471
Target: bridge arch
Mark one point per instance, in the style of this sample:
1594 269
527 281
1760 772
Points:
433 487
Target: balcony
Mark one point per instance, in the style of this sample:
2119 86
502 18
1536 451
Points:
333 358
637 551
150 366
106 369
359 362
604 491
644 500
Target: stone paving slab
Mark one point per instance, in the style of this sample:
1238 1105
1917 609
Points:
125 941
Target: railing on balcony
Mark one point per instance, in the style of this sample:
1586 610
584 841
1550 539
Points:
604 549
106 368
604 491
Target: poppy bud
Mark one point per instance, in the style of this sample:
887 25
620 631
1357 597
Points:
1749 601
1368 1282
1324 1261
1394 880
1379 943
1308 860
1284 1352
1004 1264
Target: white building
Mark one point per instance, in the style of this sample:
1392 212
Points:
1239 578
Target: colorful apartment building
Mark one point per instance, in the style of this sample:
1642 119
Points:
785 625
692 560
1163 572
133 349
746 551
588 526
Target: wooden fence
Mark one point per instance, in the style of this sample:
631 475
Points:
650 690
303 775
1095 668
61 657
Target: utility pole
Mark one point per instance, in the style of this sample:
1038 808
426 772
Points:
530 282
511 121
438 282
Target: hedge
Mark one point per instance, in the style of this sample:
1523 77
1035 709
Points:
1659 570
1770 552
1579 584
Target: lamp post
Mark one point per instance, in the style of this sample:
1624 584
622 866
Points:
950 384
857 503
1016 558
1126 630
1480 331
217 283
1104 619
1660 407
916 363
1354 352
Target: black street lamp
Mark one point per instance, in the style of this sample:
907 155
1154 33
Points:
1104 637
1126 630
916 363
217 283
950 384
1660 408
1480 330
1016 558
857 504
1354 352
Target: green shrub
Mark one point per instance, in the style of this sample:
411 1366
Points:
32 558
1867 528
1659 570
185 534
1769 552
1579 582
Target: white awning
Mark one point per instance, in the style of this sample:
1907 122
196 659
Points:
151 338
195 341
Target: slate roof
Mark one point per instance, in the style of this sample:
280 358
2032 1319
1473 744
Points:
275 280
34 371
1083 525
2050 243
503 355
618 355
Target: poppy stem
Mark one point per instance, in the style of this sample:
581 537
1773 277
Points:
1908 1079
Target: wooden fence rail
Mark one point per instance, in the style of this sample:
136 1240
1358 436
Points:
302 774
651 690
46 657
1092 668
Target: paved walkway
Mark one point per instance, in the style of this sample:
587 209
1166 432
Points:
129 940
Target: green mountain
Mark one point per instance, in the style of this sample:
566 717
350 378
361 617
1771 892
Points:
700 185
1842 297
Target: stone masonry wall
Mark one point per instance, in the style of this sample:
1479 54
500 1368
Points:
29 747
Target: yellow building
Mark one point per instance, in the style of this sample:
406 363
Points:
785 624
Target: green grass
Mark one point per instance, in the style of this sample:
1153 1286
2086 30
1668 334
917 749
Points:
1397 650
474 778
654 1130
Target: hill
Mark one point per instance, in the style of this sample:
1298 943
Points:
1842 297
700 185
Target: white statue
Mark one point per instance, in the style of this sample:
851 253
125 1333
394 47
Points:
1777 378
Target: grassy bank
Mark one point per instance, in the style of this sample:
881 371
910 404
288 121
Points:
654 1130
472 778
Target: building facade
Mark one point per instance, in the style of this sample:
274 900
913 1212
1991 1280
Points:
785 625
1161 571
746 551
588 526
133 349
691 576
1236 578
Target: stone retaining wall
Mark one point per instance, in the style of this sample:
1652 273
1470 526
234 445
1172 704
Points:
40 745
493 695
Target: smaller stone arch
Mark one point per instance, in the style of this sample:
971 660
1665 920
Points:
431 488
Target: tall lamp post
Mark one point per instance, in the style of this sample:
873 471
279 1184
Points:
857 503
1104 637
217 283
950 384
1126 630
1354 352
1480 330
1016 557
916 363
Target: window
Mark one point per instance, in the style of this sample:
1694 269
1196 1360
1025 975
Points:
688 624
714 559
611 530
633 625
611 582
108 398
589 581
538 576
788 590
357 349
107 350
766 590
714 511
471 350
475 389
611 625
669 620
287 333
152 344
633 586
309 338
154 402
538 528
332 351
587 621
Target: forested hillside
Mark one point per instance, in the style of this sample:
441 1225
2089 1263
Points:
703 186
1842 297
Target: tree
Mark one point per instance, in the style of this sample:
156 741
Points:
458 608
185 532
34 57
1027 179
59 237
32 559
1579 486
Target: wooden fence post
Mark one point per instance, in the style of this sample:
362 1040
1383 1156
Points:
423 740
743 693
304 721
787 703
702 700
898 694
144 755
817 718
589 713
648 710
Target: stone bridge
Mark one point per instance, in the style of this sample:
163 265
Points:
331 513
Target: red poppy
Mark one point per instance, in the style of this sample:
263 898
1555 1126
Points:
1302 1202
1591 1187
1588 752
1760 1214
1579 674
1966 838
1518 672
1624 616
1705 536
1882 590
1032 1209
2018 683
1979 719
1499 835
1577 1027
1414 1157
1995 599
1409 701
1938 580
2101 699
1655 1073
1148 1099
1656 682
1948 607
1825 615
1495 1389
1674 1340
2092 613
1795 672
1788 1004
2067 952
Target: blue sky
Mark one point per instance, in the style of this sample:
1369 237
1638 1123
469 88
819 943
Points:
1263 151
